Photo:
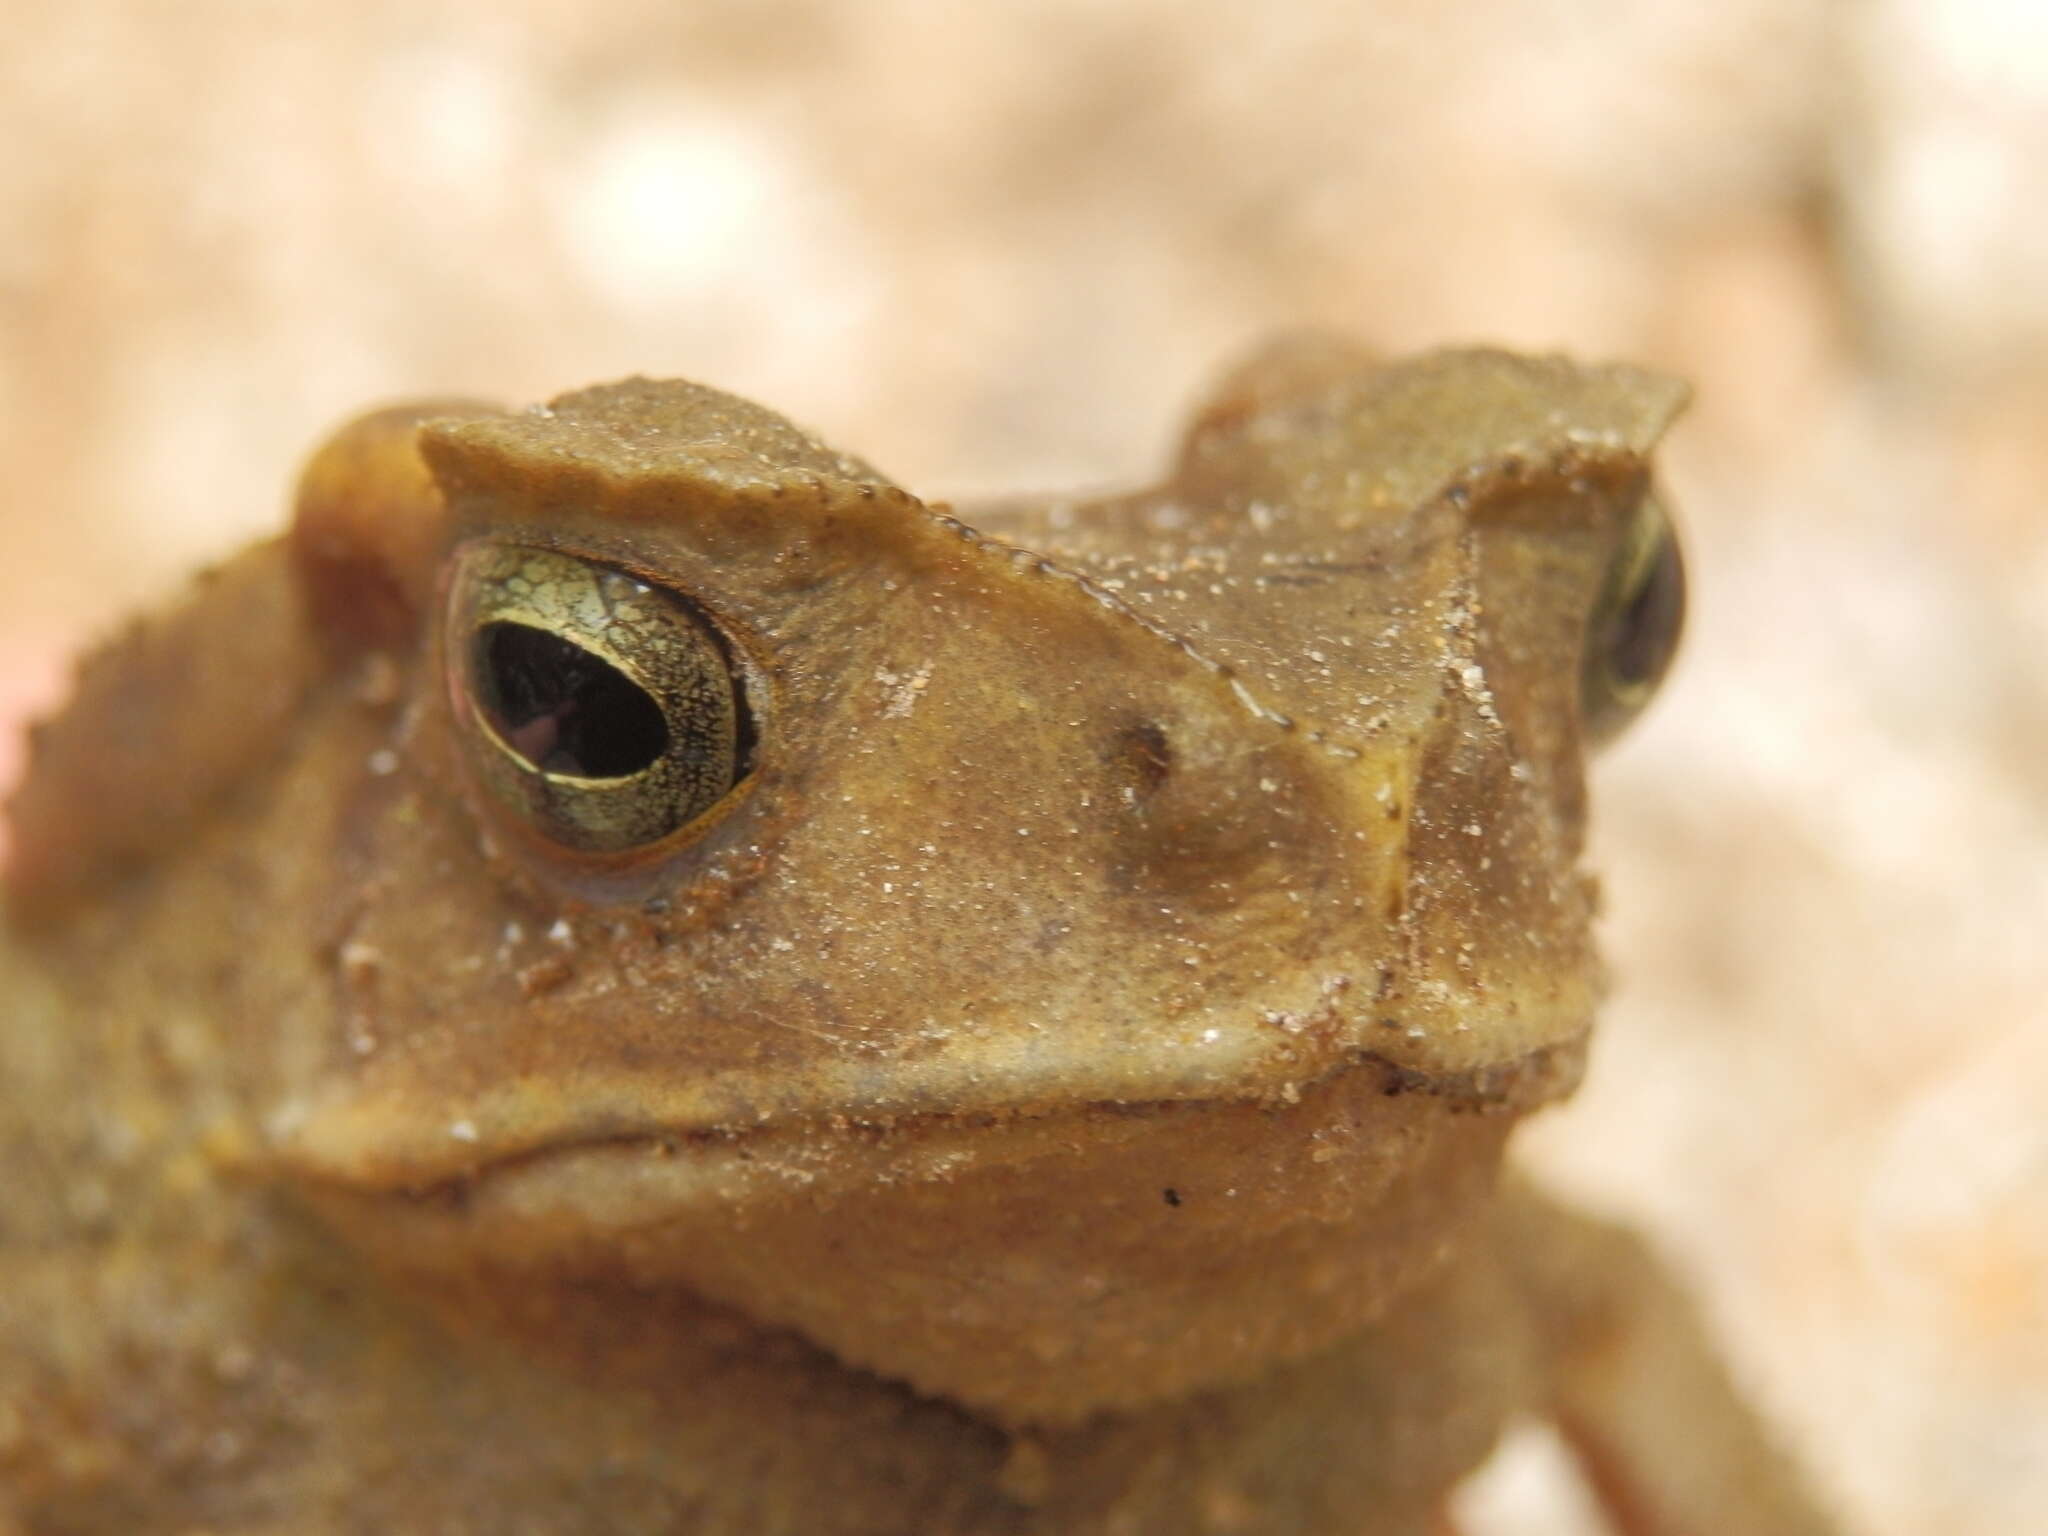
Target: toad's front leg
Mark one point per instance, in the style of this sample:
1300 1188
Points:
1665 1440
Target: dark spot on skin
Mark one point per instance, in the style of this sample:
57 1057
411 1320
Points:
1400 1080
544 976
1142 757
1172 1197
1051 934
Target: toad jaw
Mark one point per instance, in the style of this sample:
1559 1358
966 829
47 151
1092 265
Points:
1154 1227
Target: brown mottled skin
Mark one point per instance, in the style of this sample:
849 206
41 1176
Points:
1058 1089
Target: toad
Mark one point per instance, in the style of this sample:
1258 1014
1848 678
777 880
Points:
627 974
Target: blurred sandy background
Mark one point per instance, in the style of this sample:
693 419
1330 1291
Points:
1001 244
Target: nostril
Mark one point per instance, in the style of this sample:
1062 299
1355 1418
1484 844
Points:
1141 758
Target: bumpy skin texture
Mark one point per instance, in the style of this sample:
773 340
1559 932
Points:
1058 1089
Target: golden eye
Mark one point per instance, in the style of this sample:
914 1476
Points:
604 712
1635 625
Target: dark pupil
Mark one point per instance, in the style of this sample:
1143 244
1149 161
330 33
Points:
1639 642
563 709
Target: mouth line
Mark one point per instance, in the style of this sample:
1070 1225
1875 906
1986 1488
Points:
1541 1075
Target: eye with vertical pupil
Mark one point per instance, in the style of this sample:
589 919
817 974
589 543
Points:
605 713
1634 628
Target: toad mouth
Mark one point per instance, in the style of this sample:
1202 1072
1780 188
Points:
518 1134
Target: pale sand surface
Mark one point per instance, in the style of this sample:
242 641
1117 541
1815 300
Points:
1001 244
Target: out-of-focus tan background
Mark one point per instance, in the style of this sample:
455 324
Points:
1000 245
